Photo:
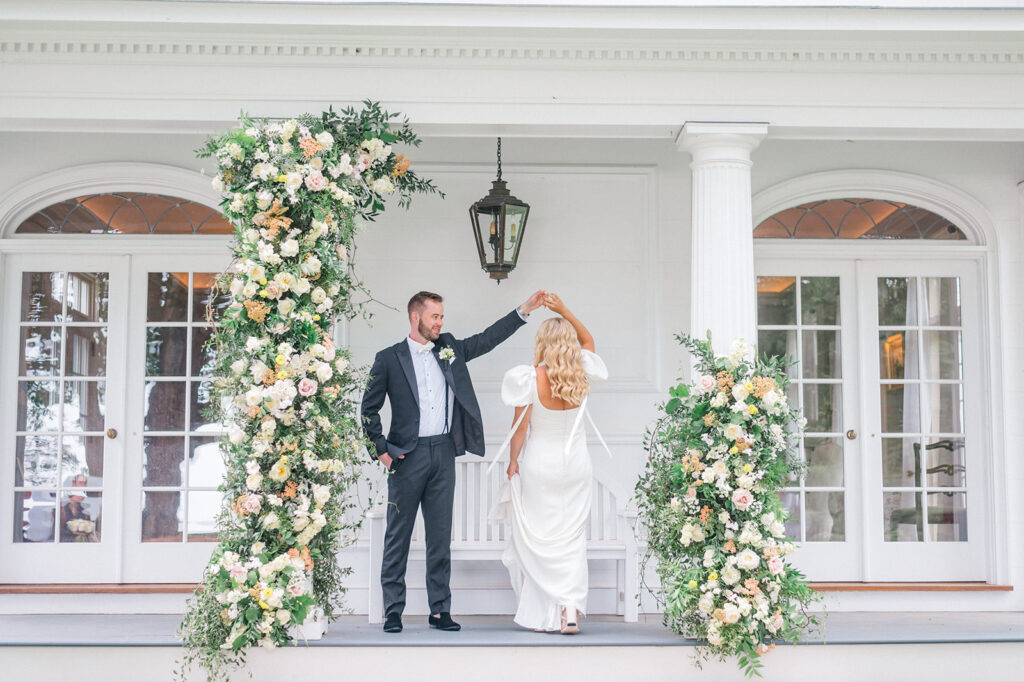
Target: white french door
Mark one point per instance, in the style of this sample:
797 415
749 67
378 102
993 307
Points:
63 417
108 465
888 353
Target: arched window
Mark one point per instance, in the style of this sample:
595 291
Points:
857 219
126 213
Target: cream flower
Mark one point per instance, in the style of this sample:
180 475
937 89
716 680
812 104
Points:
747 560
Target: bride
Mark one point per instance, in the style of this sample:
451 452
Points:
546 501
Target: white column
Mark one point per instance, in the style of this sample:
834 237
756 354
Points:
723 294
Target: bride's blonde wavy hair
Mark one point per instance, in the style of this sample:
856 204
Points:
558 347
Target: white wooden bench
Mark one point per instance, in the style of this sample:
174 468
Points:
609 536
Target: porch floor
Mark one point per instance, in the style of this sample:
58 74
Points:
143 630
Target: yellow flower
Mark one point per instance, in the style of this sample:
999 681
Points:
692 583
282 374
316 318
713 576
280 360
747 468
752 409
281 178
749 386
733 450
263 281
263 293
264 605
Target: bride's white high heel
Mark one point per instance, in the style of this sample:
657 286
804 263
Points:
570 624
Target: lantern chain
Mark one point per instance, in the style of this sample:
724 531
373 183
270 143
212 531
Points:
499 158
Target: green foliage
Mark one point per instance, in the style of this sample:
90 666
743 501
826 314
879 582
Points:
294 451
709 502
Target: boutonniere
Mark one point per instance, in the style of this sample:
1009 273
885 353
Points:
447 353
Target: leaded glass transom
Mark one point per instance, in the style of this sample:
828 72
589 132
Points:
857 219
126 213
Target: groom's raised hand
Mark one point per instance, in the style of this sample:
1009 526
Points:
535 301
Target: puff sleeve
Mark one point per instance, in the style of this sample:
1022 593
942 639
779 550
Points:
517 386
594 367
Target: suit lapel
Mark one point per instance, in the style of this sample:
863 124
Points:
405 360
446 367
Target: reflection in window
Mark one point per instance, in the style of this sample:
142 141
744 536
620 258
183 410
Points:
126 213
857 219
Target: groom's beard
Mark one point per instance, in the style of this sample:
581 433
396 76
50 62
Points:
428 333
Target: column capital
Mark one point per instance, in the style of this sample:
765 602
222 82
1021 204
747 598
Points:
713 141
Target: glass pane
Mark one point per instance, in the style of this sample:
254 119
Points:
776 300
778 343
791 503
206 463
168 297
901 466
34 515
163 460
82 463
80 514
203 284
202 398
88 294
824 457
943 355
162 516
901 408
823 407
86 351
203 507
946 466
942 301
819 300
38 406
897 301
821 355
904 520
35 461
947 517
825 517
166 351
40 352
84 405
164 406
514 216
897 354
943 408
42 296
202 357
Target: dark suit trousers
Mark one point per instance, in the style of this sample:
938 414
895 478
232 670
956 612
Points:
425 477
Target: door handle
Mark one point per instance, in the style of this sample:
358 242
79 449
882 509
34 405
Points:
851 434
111 433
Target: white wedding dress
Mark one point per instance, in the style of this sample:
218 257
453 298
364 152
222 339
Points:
547 505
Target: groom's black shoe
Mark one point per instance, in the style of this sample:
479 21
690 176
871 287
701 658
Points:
444 622
393 623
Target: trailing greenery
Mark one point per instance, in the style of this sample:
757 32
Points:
709 502
294 191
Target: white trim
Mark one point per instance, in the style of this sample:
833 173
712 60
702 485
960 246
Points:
960 208
971 216
44 190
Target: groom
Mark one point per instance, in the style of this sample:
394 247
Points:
434 419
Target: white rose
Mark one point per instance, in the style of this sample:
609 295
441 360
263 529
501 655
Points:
321 493
218 183
318 295
253 481
285 306
271 521
238 366
341 364
324 371
236 435
739 392
732 614
718 400
284 616
733 431
747 560
325 139
237 286
293 181
383 186
289 248
730 576
264 199
706 604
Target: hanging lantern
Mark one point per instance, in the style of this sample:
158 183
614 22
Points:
499 220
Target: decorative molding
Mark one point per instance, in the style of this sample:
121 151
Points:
959 207
326 51
43 190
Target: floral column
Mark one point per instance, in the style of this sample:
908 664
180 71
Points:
722 283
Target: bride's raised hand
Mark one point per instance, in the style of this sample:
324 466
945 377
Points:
513 468
554 303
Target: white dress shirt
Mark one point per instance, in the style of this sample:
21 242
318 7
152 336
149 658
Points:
430 385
